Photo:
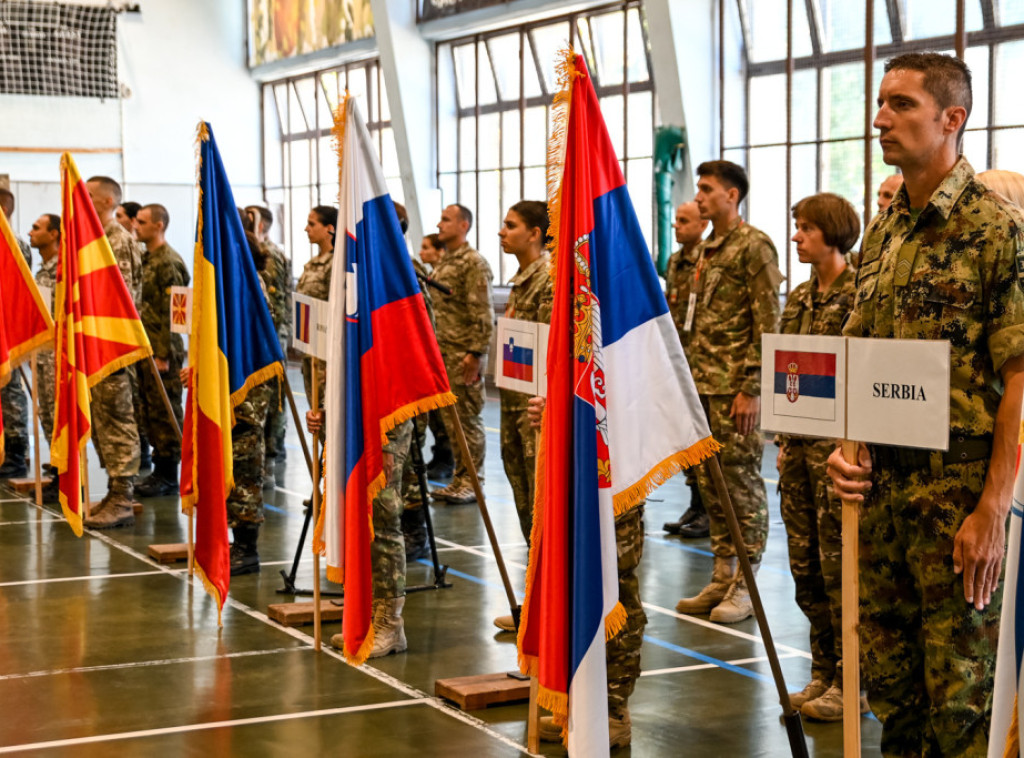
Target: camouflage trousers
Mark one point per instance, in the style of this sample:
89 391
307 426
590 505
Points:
470 406
158 428
114 432
140 413
45 382
928 658
622 652
519 454
277 418
813 519
387 551
741 467
245 501
14 403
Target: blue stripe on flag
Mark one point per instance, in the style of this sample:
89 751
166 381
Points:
587 602
811 385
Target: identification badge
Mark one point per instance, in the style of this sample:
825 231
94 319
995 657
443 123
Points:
691 308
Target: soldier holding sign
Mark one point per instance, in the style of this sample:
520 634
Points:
939 264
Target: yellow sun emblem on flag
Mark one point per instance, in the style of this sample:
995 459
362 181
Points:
179 305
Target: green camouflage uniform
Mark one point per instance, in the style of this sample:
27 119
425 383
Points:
46 276
737 302
13 398
682 265
315 282
162 270
622 652
810 510
114 430
245 501
465 321
529 300
277 277
387 551
928 657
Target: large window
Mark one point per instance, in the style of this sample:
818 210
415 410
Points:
494 94
300 160
825 148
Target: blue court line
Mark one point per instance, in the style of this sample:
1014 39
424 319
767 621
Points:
708 553
708 659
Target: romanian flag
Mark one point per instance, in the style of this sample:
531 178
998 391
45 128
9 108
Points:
232 348
98 331
383 368
622 416
25 322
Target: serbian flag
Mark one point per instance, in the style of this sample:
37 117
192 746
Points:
232 348
98 331
25 322
805 384
383 368
622 416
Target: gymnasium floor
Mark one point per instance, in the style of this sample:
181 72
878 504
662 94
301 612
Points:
103 652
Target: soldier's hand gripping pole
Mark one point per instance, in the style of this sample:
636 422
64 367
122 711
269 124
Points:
790 716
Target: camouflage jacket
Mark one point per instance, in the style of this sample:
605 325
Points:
162 269
737 302
678 283
428 297
951 274
808 311
278 280
128 254
465 319
26 251
529 300
46 276
316 277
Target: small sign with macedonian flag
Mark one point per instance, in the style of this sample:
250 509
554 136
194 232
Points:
181 310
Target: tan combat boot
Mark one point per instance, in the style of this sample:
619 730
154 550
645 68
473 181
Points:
736 605
721 578
814 689
620 730
116 507
388 627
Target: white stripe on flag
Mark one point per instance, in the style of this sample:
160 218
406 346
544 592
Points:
806 406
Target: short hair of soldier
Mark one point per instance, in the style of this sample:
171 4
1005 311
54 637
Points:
728 173
403 216
131 208
158 213
466 213
328 216
7 201
834 215
1009 184
946 78
54 223
435 242
265 215
534 214
108 184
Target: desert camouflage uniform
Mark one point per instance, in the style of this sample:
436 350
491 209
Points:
26 251
810 510
163 269
622 652
465 322
47 277
315 282
529 300
278 280
387 551
13 398
737 302
410 484
928 656
245 501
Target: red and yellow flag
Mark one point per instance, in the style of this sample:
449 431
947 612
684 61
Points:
98 330
25 322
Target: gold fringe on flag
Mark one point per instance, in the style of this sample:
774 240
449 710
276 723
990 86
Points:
662 472
565 68
364 650
211 590
1012 749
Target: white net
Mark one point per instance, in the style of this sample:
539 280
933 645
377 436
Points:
57 49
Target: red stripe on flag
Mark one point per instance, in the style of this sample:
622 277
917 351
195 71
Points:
822 364
212 555
521 371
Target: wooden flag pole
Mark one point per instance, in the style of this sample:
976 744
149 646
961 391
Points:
35 426
314 403
851 610
83 461
298 423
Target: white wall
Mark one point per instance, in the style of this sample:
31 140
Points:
182 60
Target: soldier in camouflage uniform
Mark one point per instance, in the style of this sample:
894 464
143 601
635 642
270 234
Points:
316 282
115 433
13 398
45 237
163 268
826 228
465 321
277 276
736 302
682 265
245 501
942 263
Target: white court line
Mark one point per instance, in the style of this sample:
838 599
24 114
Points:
704 666
725 630
33 521
293 493
84 578
230 723
474 551
145 664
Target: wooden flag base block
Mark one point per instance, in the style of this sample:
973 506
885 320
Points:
472 693
136 507
300 614
27 484
169 553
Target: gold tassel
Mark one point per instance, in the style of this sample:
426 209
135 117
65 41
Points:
208 586
338 131
364 650
412 410
614 621
662 472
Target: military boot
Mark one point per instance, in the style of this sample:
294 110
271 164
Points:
115 510
14 466
736 605
814 689
442 463
162 481
694 512
145 454
414 530
620 730
721 578
388 627
244 557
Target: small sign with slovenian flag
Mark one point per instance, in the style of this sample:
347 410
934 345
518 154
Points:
521 348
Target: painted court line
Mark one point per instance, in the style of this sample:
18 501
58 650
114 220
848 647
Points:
49 520
84 578
479 553
141 733
705 666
